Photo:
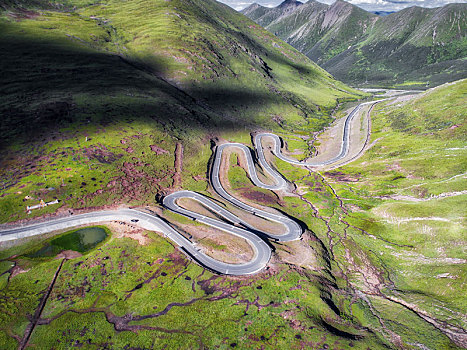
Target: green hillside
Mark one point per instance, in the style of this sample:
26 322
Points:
92 86
115 103
411 192
415 46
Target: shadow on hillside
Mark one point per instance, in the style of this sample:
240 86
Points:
302 69
47 86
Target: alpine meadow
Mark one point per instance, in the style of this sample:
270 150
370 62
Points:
176 174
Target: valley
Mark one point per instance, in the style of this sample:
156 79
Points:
416 47
244 197
345 206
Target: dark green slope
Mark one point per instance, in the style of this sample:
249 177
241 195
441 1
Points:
202 48
421 45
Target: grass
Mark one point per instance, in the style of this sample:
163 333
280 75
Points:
419 157
91 89
88 89
102 284
401 252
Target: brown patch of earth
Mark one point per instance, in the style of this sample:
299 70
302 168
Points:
136 183
340 176
201 177
258 222
299 253
395 166
370 278
20 14
197 207
220 245
157 150
68 254
16 270
178 164
122 229
101 154
260 197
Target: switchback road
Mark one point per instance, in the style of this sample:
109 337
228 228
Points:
233 225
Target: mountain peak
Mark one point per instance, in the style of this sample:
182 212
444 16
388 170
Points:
253 6
341 3
289 3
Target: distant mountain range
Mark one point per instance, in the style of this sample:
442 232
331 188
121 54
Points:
423 45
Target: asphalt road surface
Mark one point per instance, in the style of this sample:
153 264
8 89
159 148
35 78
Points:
233 224
345 144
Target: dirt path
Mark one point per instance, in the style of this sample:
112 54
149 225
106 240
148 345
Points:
178 164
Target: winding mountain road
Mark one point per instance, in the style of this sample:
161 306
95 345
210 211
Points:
234 225
345 144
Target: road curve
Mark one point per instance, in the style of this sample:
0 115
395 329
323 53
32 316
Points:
262 251
277 143
293 230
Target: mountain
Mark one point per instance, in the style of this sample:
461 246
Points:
415 45
172 71
265 15
116 103
318 30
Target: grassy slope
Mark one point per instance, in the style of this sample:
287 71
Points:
290 306
420 154
87 90
430 43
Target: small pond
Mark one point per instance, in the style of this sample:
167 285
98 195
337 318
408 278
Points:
81 240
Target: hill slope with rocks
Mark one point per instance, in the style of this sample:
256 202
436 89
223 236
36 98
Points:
415 46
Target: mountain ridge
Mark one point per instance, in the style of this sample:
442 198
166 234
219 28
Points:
379 49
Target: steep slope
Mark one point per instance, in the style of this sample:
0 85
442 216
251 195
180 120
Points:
322 32
421 45
255 11
415 44
74 73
